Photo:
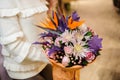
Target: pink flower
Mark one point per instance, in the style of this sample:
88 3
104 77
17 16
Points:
90 56
68 49
65 61
57 41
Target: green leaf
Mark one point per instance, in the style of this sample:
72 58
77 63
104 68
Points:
60 42
84 63
70 64
86 46
88 33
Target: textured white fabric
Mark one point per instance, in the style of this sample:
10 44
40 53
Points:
8 4
11 38
27 73
9 12
18 32
23 8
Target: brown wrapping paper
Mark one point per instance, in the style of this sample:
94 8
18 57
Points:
62 73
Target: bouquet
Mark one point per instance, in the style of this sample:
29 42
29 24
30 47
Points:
69 44
69 41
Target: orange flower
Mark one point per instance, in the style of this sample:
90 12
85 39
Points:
74 24
55 18
50 23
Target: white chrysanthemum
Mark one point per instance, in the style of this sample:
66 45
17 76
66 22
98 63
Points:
68 35
77 35
78 50
83 29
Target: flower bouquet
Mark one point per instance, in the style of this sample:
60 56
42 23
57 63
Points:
69 44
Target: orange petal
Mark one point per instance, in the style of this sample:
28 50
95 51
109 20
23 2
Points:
50 25
75 24
55 18
70 20
42 25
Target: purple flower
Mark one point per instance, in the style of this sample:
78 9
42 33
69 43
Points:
48 35
62 25
43 43
95 43
53 50
75 16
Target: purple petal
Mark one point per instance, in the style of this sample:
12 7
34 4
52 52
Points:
49 34
43 43
75 16
62 25
95 43
37 43
53 49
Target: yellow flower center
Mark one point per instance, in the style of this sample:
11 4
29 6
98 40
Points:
77 48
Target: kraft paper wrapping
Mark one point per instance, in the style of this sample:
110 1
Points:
62 73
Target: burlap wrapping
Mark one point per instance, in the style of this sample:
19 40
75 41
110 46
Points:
62 73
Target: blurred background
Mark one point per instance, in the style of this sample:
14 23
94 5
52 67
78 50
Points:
103 16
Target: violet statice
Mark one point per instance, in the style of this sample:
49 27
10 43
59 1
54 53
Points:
95 43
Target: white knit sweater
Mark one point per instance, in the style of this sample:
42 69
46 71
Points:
18 32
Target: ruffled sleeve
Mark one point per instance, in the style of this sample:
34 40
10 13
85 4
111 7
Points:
31 7
8 8
13 39
23 8
11 35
